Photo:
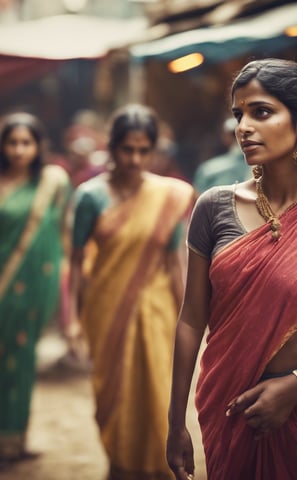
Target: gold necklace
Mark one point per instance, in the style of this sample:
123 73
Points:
266 211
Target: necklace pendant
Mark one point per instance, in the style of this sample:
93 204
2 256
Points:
266 211
275 225
275 234
275 228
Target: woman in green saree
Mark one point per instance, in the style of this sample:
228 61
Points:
32 200
132 294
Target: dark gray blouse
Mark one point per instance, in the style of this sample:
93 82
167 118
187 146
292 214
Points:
214 222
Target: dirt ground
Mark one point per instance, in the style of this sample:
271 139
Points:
62 429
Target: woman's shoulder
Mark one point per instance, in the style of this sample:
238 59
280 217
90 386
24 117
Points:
246 191
94 184
55 174
224 196
217 193
174 184
215 200
165 180
93 192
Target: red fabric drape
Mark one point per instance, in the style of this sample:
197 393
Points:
16 71
253 313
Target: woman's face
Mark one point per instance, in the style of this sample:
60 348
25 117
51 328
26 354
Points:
133 154
20 148
265 131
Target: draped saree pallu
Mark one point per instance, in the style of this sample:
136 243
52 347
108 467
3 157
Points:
253 314
129 315
30 253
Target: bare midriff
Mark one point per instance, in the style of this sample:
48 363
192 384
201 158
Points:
285 359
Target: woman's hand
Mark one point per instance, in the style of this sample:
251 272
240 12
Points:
180 454
268 405
76 341
73 331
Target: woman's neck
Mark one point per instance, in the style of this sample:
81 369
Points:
125 187
14 174
120 181
280 188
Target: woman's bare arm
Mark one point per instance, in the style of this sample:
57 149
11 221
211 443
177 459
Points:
73 331
175 263
191 325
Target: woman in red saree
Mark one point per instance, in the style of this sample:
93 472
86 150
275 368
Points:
242 283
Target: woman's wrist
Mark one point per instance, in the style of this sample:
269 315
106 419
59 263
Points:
175 429
292 384
292 392
176 422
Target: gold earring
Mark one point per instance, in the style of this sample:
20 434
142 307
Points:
257 172
294 157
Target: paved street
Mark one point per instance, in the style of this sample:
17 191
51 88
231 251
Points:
62 429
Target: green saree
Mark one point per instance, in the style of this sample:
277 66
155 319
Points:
30 255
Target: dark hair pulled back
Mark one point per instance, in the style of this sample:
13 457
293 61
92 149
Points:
132 117
278 77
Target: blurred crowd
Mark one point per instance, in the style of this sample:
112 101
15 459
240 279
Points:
78 227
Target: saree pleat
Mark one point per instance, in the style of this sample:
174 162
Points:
30 254
253 314
129 315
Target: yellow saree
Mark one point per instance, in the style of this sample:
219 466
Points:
129 315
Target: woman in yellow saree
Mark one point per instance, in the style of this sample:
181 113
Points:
132 294
32 199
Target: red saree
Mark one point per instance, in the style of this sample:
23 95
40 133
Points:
253 313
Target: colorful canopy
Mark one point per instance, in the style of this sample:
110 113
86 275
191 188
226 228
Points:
264 32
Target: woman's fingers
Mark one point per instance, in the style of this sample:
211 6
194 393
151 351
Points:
255 422
179 471
189 460
180 455
183 472
244 401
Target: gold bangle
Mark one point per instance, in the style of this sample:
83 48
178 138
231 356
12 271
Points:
294 372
